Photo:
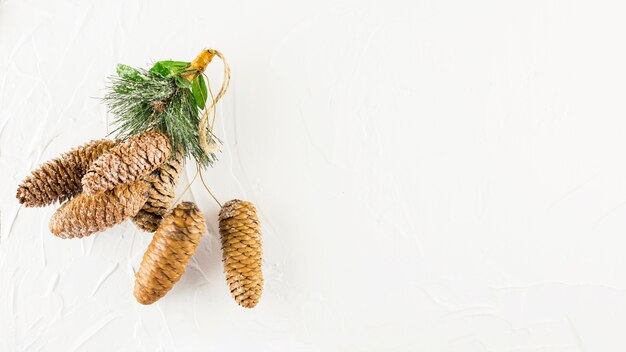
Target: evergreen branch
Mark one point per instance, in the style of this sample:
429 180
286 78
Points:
142 100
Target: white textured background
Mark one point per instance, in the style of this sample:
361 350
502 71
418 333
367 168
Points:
431 175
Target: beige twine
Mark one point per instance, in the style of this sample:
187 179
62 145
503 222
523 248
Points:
203 130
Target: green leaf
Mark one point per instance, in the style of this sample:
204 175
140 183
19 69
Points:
198 88
160 69
175 67
127 72
169 68
182 82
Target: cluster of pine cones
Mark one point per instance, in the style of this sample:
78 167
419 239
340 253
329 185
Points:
104 182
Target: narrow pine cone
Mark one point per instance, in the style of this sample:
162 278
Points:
163 183
59 179
129 160
167 256
242 251
90 213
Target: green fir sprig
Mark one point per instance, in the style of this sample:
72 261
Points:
162 99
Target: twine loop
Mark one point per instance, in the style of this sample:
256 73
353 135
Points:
203 125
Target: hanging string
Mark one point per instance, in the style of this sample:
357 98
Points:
212 99
207 188
204 130
214 109
187 188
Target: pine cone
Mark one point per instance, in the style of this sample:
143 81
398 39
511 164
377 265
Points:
168 254
162 192
147 221
59 179
128 161
89 213
242 250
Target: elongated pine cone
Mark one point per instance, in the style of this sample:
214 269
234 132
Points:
242 251
129 160
60 179
167 256
90 213
163 183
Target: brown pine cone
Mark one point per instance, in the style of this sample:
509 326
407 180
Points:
242 250
163 183
147 221
168 254
129 160
90 213
59 179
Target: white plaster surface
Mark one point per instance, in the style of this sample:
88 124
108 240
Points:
431 175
